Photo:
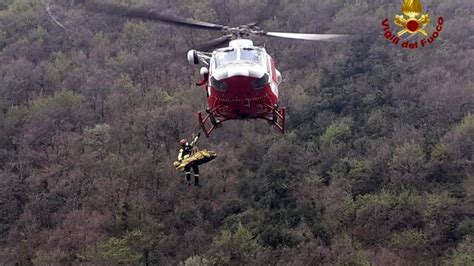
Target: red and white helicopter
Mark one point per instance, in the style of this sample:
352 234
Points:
241 80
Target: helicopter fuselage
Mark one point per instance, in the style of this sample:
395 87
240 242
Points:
242 84
242 100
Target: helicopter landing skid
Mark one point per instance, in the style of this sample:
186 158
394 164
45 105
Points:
278 118
211 118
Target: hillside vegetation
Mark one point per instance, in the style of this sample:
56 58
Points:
376 167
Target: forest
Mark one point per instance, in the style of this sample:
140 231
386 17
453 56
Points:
376 166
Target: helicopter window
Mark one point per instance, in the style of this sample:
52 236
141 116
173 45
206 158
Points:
225 57
252 55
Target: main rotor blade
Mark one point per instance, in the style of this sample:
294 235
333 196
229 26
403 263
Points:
216 42
143 13
312 37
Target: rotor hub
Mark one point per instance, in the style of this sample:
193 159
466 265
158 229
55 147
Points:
241 43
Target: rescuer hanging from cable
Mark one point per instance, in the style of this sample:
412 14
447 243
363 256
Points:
184 153
190 157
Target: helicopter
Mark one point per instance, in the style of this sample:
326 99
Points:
241 80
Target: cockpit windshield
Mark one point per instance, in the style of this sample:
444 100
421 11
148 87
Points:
250 54
253 55
225 57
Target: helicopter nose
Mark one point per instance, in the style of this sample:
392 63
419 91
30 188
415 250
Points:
245 70
238 71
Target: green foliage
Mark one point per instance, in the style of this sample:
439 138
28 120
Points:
388 211
50 257
125 85
466 228
133 3
39 34
462 259
466 125
135 35
358 172
97 137
383 198
337 132
100 40
347 210
439 152
3 39
15 116
459 142
277 236
61 104
407 166
125 250
463 255
428 205
407 156
196 261
236 244
435 204
201 10
23 7
234 206
59 67
408 239
121 62
349 251
24 14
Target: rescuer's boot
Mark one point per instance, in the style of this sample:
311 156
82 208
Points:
196 180
188 179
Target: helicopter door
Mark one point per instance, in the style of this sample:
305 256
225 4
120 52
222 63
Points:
274 76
